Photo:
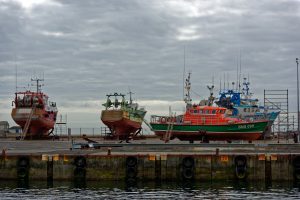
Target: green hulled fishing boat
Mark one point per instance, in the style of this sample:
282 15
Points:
206 123
123 118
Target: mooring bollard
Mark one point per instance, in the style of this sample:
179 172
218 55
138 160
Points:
108 151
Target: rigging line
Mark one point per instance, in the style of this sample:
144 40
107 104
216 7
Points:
237 74
196 93
16 78
183 76
16 66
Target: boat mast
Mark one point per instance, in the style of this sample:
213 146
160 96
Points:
240 74
183 77
130 97
237 74
220 85
187 87
38 85
245 89
224 82
16 78
211 95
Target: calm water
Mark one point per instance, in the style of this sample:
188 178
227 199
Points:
148 190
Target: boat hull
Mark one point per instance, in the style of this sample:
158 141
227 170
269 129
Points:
239 131
120 125
40 124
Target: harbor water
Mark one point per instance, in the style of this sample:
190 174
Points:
149 190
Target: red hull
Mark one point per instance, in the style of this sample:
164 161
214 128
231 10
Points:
122 128
39 125
191 136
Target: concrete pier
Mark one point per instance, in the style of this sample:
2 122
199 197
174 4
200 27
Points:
148 160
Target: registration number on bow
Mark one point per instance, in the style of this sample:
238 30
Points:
246 126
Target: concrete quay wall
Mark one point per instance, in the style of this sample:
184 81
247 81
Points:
147 166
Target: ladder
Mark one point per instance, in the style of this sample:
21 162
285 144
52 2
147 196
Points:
168 133
27 124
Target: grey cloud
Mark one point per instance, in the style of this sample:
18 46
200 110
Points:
89 48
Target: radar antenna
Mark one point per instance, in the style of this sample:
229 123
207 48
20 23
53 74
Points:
211 97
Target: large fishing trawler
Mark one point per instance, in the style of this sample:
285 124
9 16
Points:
205 123
34 113
123 118
242 105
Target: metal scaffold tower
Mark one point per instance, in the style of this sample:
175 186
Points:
278 100
61 127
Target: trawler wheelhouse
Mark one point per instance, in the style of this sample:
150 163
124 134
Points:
30 99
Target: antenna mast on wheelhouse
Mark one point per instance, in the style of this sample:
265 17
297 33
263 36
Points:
130 96
187 87
38 85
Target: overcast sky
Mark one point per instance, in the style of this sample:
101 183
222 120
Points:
87 49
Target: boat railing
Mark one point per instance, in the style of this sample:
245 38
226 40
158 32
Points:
210 120
27 101
165 119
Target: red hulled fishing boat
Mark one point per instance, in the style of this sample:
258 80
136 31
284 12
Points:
34 113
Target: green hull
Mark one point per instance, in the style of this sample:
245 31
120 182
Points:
240 131
243 127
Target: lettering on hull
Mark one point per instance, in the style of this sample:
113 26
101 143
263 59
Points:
245 126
